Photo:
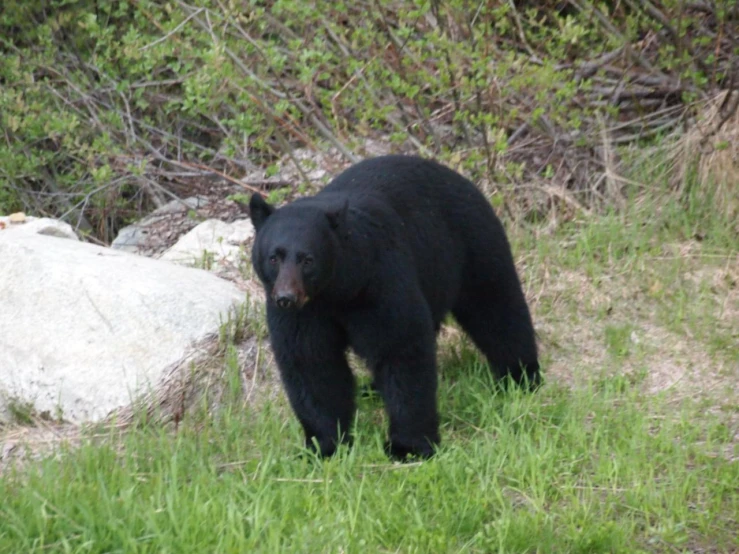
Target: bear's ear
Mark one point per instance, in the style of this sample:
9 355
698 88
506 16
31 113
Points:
337 218
259 210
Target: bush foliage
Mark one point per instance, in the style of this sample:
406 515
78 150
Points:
110 108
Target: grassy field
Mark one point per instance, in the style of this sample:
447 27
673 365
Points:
631 445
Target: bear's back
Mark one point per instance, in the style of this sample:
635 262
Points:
424 194
444 219
404 181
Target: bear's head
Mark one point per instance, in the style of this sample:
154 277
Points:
296 248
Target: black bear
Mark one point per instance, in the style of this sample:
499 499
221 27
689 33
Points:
374 262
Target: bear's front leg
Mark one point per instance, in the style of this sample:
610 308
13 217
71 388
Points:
407 382
310 354
396 336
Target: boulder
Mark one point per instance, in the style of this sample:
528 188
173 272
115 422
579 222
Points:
213 245
86 330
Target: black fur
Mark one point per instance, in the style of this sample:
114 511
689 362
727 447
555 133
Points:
374 262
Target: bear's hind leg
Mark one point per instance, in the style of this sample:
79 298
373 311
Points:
500 326
310 354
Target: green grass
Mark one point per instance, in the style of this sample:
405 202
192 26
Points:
590 463
598 469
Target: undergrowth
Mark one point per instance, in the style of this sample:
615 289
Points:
110 109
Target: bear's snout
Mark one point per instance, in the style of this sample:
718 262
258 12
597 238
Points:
288 291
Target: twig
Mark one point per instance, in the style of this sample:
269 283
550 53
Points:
215 172
649 8
371 92
588 68
450 74
290 480
521 34
605 22
284 94
172 32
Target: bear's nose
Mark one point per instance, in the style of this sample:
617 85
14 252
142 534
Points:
286 300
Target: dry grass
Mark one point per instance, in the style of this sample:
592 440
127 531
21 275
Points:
718 167
705 158
675 361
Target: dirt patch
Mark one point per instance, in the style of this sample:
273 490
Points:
574 313
21 444
573 330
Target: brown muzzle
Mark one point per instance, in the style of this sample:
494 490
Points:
288 291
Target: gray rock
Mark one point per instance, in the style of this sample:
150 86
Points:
84 330
137 237
213 244
30 225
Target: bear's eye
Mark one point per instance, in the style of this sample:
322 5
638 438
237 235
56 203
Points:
273 259
308 260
